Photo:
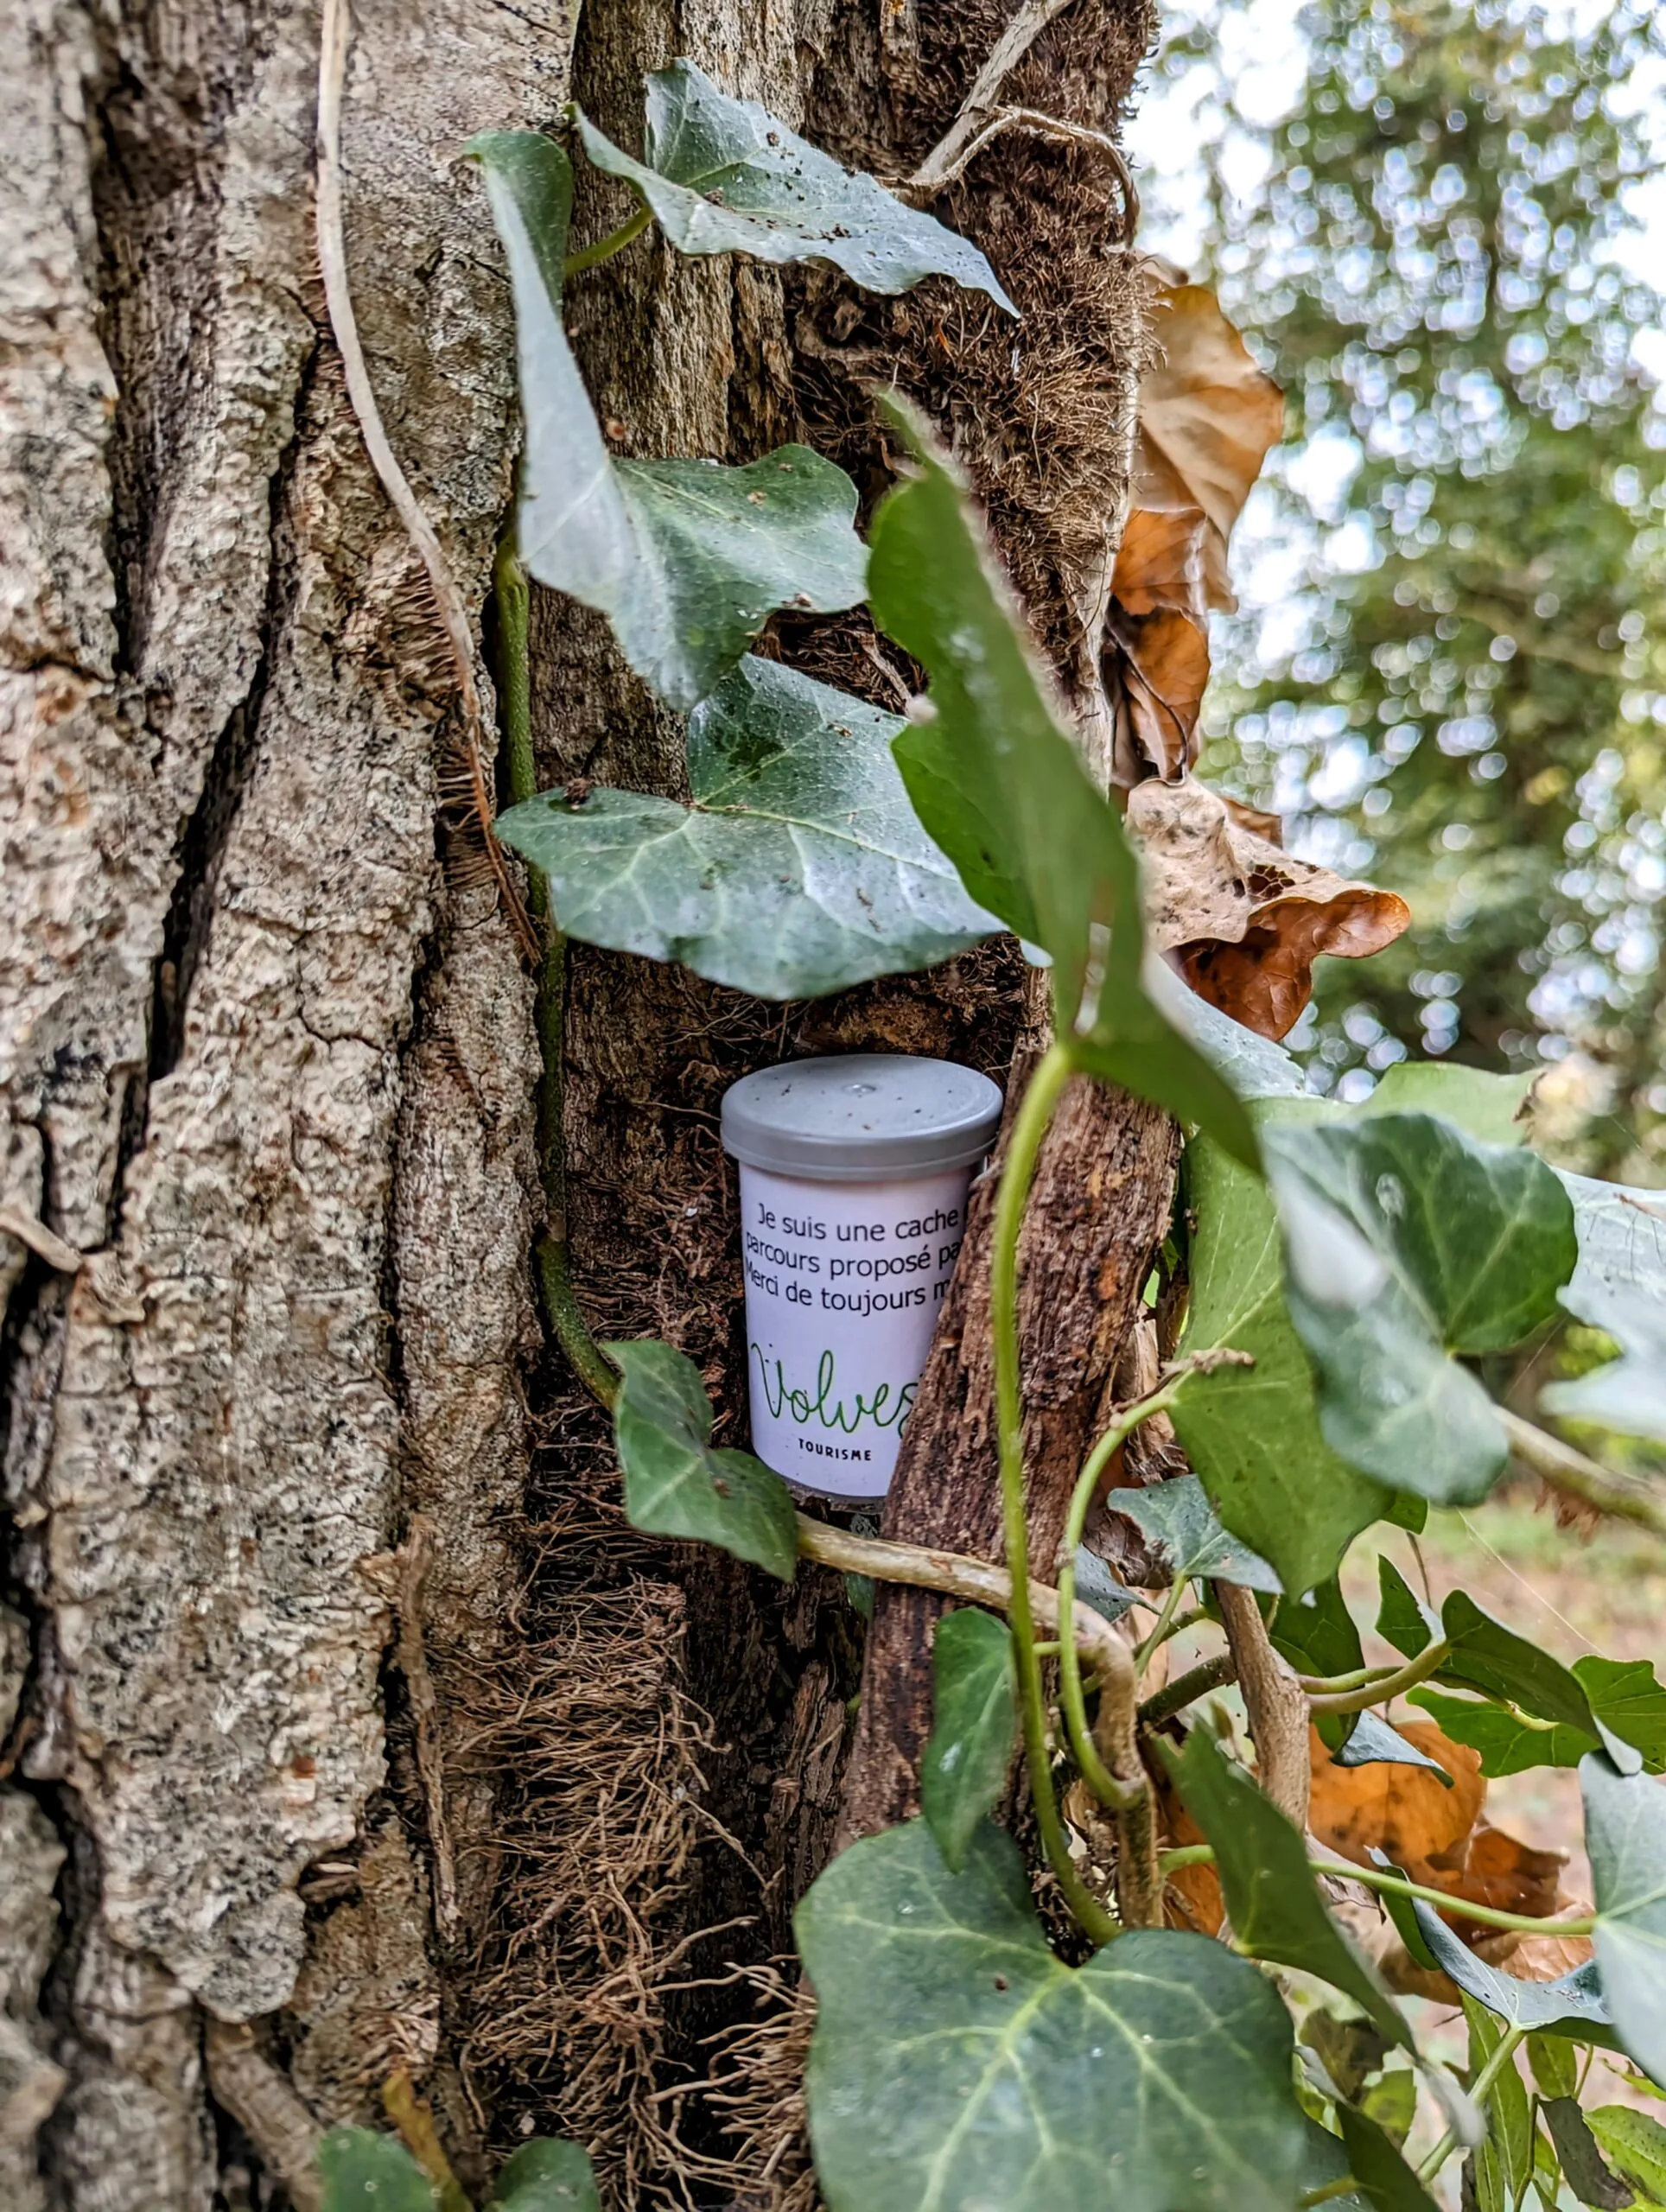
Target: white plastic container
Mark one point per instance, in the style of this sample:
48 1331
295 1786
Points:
854 1177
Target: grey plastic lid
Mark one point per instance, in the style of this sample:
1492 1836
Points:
865 1117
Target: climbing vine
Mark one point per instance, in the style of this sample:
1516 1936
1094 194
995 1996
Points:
1339 1284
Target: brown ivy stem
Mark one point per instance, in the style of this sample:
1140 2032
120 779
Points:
1186 1689
417 2131
1570 1472
552 1256
1273 1703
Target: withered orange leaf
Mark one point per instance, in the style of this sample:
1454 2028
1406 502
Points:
1406 1811
1191 1894
1208 413
1159 627
1243 920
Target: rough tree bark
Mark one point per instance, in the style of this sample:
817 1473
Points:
346 1727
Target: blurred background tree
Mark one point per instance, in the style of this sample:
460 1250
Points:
1449 670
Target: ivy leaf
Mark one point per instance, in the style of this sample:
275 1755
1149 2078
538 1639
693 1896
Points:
1484 1105
1625 1841
1628 1700
1386 2181
1618 1287
1179 1523
545 2176
1253 1065
1556 2067
1637 2144
675 1484
1317 1634
687 559
963 1772
366 2172
1275 1908
1402 1619
1374 1742
1096 1586
797 869
723 176
1504 2164
1628 1394
1573 2006
1508 1742
1582 2161
1253 1434
957 2061
998 786
1408 1242
1486 1656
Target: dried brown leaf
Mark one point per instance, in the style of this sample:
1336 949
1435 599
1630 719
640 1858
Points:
1406 1811
1191 1894
1157 657
1208 413
1243 920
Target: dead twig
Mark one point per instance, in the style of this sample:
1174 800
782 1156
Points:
448 598
262 2100
1042 126
1009 50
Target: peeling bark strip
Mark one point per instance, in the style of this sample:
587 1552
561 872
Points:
221 699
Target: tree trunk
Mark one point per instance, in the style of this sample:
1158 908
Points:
354 1731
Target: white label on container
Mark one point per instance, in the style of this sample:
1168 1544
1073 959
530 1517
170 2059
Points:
844 1285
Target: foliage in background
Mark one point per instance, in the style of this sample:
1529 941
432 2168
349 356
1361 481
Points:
1463 687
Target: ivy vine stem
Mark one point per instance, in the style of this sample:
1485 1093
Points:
1521 1924
1046 1087
592 257
1122 1792
1321 1697
1480 2090
552 1257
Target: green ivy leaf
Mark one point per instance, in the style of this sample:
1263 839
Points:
1625 1841
1000 787
366 2172
1386 2181
1180 1526
956 2062
687 559
1637 2144
1508 1742
1628 1394
675 1484
799 869
1482 1105
545 2176
1275 1908
1555 2065
964 1768
1391 2101
1408 1242
1573 2006
1486 1656
1402 1619
723 176
1582 2161
1628 1700
1504 2164
1618 1287
1373 1743
1253 1434
1317 1634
